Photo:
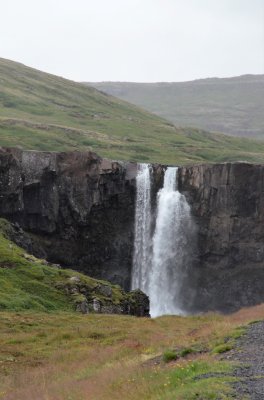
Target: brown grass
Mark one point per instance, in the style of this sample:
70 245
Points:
72 357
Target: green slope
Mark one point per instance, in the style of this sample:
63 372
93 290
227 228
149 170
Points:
45 112
230 105
27 283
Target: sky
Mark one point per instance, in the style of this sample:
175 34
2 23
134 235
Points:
135 40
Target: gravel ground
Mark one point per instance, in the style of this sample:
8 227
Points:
249 351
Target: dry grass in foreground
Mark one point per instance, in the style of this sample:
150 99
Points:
66 356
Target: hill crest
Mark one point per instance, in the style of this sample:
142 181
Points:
232 106
40 111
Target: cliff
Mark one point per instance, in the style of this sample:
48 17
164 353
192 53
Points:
227 202
78 210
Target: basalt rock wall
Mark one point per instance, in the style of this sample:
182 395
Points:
227 202
79 211
78 208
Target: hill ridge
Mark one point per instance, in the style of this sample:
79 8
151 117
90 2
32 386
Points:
232 105
44 112
212 78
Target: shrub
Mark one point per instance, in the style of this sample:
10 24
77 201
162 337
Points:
169 355
222 348
185 352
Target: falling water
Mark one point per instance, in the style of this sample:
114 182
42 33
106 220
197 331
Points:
170 243
142 240
160 264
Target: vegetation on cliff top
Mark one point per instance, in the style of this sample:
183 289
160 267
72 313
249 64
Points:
45 112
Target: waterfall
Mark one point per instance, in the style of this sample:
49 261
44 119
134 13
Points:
170 251
142 240
160 263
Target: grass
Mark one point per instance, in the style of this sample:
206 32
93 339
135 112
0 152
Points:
44 112
232 105
66 356
169 355
48 351
222 348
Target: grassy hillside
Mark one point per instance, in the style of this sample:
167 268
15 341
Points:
232 105
27 283
45 112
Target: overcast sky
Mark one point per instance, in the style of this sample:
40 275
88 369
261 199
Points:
135 40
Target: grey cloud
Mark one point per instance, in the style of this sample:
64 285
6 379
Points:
132 40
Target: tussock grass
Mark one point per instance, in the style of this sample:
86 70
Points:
222 348
69 356
169 355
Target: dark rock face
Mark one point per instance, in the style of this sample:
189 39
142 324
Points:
227 203
78 208
78 211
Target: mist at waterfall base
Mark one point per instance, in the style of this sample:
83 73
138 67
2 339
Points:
161 259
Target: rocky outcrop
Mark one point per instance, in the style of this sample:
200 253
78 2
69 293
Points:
227 202
100 297
37 284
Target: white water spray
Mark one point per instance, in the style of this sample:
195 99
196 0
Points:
142 240
160 264
169 248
